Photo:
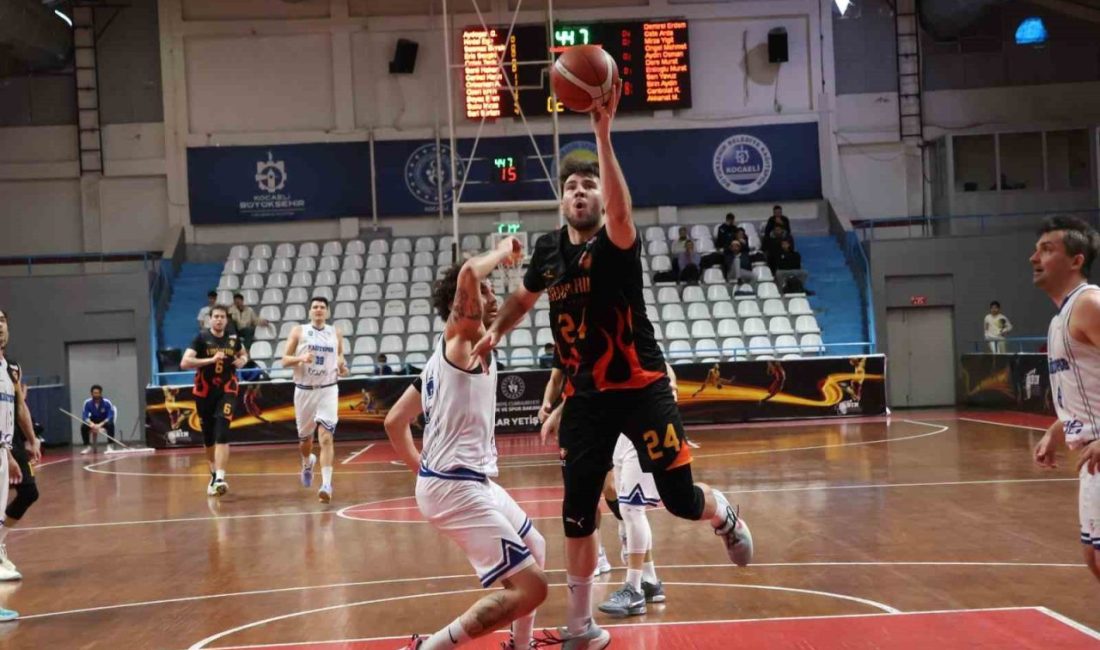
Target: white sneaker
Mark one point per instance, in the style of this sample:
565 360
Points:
219 487
325 494
593 638
602 565
9 575
8 565
737 537
85 450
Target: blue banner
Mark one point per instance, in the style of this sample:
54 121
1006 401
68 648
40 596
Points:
667 167
278 182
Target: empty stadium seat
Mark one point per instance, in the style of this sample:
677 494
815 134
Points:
660 263
238 253
707 349
779 325
420 289
672 312
542 318
806 325
658 332
717 292
651 313
280 349
786 344
258 266
766 290
543 336
424 245
378 247
229 283
420 307
401 245
417 359
391 344
297 295
308 264
395 308
704 245
322 292
471 243
417 343
694 293
282 266
723 309
266 332
728 327
521 358
698 310
438 325
347 292
325 279
233 267
645 263
344 309
352 263
397 291
445 258
272 312
355 247
713 276
424 258
367 326
699 231
376 261
676 330
398 275
370 309
329 263
332 248
762 274
253 281
774 307
657 247
734 346
251 296
287 327
654 233
673 233
366 345
423 274
679 351
225 297
309 249
702 329
277 280
286 250
262 251
748 309
668 295
343 326
760 345
301 279
400 260
754 327
419 325
260 350
799 307
522 337
812 344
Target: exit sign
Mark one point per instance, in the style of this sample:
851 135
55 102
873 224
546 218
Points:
918 301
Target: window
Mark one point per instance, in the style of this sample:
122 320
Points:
975 163
1068 160
1021 161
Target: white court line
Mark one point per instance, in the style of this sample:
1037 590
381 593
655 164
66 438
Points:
666 623
353 456
52 462
247 626
1001 424
1080 627
467 576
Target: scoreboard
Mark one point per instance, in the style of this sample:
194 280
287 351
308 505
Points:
653 58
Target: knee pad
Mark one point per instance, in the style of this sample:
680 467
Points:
613 505
579 511
639 536
221 431
25 496
682 498
536 543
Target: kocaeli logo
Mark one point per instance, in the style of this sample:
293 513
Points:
742 164
424 177
271 175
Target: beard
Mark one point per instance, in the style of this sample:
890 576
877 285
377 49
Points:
584 221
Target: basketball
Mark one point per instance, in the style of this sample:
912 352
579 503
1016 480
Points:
583 77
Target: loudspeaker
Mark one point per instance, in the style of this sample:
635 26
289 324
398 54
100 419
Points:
777 45
404 57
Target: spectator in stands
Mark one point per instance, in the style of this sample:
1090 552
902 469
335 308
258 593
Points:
380 366
737 265
690 263
778 219
204 313
99 417
786 265
546 359
245 320
996 326
772 244
681 242
727 232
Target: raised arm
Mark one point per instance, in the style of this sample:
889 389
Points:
468 306
616 194
398 425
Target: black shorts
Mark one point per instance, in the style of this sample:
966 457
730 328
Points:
22 458
215 406
592 422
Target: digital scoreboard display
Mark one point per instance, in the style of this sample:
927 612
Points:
653 58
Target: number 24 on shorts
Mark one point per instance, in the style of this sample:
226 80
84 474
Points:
653 441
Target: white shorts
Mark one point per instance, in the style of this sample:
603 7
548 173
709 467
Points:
1088 508
633 486
483 519
317 406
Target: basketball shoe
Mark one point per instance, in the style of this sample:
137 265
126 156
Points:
627 601
735 533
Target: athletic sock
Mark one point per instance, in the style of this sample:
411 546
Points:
719 518
523 630
326 476
449 637
578 603
3 532
219 475
649 573
634 579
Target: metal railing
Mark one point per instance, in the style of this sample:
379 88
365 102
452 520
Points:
962 225
1011 345
147 258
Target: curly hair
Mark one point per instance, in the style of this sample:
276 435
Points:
443 292
574 166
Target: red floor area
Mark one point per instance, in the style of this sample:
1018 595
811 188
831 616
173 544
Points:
1020 629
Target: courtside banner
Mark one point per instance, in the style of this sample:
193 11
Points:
728 392
283 182
1018 382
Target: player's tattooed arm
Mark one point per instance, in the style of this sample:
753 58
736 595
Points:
466 309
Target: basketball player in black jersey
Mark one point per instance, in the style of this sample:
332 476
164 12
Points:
215 355
615 372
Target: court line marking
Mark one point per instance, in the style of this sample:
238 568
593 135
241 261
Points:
1002 424
199 645
94 467
353 456
468 576
698 622
1080 627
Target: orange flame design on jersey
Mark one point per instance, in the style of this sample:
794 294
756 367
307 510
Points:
626 352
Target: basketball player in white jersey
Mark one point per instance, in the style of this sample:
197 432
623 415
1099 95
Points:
316 352
9 469
454 487
1060 266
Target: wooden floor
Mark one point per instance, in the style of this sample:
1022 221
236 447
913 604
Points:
923 512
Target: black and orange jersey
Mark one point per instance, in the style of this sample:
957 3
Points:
221 376
597 312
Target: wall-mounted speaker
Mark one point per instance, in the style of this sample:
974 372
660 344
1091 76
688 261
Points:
777 45
404 57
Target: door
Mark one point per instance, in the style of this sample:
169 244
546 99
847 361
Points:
921 349
112 365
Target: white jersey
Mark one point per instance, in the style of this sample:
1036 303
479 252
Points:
1074 375
322 343
7 405
459 416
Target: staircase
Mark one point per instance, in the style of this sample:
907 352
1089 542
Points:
836 301
189 291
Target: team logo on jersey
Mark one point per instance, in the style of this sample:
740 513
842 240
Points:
742 164
424 179
271 175
512 387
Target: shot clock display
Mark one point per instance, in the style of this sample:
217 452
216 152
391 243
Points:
507 169
653 58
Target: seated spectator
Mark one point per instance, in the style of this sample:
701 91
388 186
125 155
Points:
204 313
546 359
727 232
244 318
690 263
380 367
737 264
680 244
772 244
778 219
787 267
